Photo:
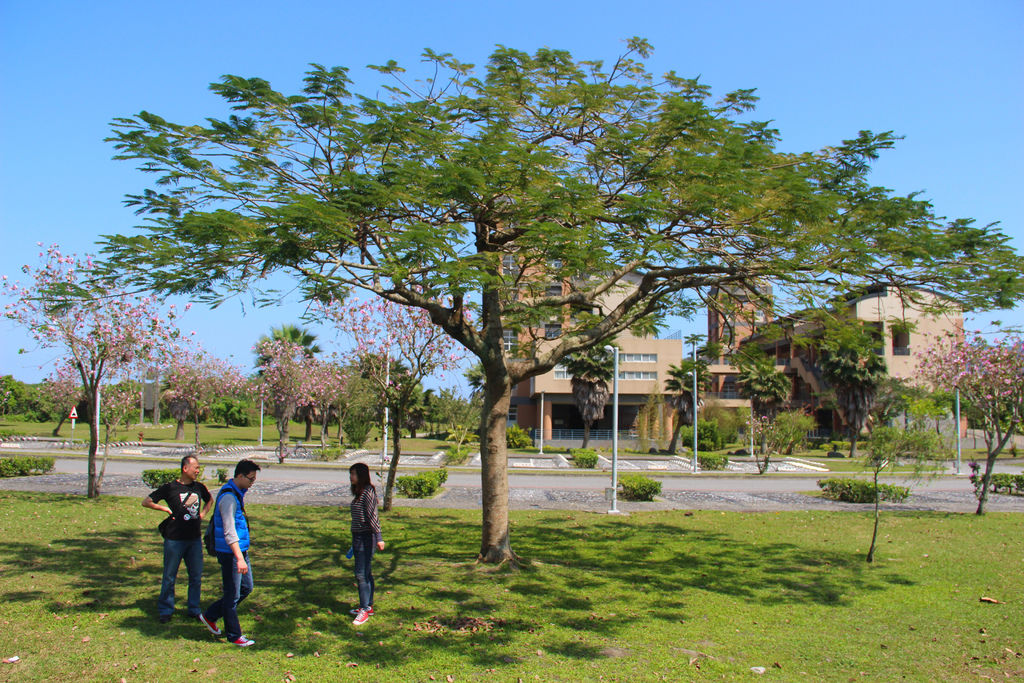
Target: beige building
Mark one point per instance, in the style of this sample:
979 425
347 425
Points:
904 330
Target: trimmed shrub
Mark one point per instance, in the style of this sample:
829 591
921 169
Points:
329 454
712 461
23 466
709 438
584 458
422 485
517 437
849 490
639 487
1007 483
157 478
222 475
456 454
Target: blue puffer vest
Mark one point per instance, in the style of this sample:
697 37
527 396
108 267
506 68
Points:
241 526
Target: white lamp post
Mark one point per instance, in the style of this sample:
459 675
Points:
540 451
615 429
693 344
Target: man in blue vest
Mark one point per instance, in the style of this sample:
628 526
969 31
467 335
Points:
231 536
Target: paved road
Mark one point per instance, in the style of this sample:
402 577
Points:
310 485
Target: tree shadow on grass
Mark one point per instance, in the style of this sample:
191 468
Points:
434 601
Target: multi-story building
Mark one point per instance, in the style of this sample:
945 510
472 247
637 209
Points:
904 329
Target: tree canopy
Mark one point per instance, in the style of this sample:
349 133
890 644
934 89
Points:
470 194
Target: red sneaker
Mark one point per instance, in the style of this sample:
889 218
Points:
361 617
242 641
211 626
354 612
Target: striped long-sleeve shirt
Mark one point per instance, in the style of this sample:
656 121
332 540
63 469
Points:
364 514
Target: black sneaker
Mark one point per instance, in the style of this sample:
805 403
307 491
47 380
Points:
164 618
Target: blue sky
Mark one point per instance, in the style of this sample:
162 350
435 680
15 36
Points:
947 75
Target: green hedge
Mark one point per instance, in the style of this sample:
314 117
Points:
584 458
23 466
456 454
517 437
639 487
1007 483
709 437
422 485
712 461
157 478
851 490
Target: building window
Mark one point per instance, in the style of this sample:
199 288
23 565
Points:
634 374
508 264
638 358
555 289
552 330
513 414
561 372
508 340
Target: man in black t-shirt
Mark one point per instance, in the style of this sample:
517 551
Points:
182 534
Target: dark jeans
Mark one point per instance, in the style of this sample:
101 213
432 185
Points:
363 547
174 553
236 588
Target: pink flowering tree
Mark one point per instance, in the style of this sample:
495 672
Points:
60 392
327 382
990 376
119 400
397 347
68 305
283 366
194 380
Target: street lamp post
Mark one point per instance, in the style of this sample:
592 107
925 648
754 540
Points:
615 429
693 344
958 446
540 422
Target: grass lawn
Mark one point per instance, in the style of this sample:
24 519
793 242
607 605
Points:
653 596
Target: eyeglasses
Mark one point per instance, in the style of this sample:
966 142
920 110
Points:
250 477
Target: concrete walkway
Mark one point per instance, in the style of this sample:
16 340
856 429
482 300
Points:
328 485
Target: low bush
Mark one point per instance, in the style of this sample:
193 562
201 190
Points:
222 475
456 454
639 487
517 437
841 446
709 438
1007 483
23 466
157 478
422 485
849 490
7 433
584 458
712 461
329 454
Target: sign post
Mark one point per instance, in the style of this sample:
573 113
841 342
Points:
73 416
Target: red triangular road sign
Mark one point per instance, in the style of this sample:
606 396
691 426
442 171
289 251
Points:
74 413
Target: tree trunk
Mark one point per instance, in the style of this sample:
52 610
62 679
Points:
853 442
586 434
309 424
95 480
56 430
283 417
323 433
196 424
675 434
179 430
874 534
396 453
495 546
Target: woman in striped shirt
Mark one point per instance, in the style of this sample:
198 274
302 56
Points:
366 537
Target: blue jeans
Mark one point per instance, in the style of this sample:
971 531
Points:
236 588
363 547
174 553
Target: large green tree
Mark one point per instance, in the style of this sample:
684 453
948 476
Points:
468 194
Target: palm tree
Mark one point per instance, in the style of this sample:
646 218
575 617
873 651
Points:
679 384
766 386
590 370
855 372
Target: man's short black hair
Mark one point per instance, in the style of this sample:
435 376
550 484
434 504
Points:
184 461
246 467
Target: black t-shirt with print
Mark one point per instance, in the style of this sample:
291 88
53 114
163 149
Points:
184 501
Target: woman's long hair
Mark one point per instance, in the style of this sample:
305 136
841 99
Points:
362 478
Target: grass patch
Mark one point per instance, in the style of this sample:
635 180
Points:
651 596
